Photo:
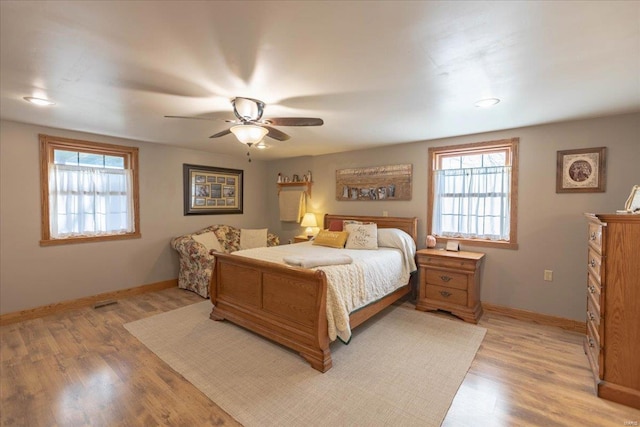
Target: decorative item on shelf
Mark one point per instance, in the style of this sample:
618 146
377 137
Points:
309 221
309 176
279 177
431 241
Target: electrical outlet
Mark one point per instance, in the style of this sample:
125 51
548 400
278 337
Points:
385 213
548 275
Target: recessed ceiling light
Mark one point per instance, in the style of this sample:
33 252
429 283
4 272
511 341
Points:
38 101
489 102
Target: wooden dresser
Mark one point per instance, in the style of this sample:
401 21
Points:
612 343
450 281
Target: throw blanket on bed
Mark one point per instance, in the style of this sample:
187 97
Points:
372 275
317 261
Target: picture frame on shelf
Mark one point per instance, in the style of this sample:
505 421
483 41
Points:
581 171
212 190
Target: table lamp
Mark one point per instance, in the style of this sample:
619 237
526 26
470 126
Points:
309 221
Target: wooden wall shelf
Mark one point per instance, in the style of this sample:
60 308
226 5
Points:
306 184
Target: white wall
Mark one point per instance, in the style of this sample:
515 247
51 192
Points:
32 276
551 228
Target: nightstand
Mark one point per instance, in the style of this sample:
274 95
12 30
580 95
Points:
450 281
301 238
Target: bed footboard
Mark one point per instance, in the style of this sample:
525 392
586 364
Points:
285 304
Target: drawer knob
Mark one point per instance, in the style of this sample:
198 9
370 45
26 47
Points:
445 278
445 294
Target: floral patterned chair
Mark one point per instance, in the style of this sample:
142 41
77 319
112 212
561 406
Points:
196 263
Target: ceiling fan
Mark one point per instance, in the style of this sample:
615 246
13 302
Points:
250 127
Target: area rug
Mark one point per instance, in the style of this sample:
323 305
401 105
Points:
402 367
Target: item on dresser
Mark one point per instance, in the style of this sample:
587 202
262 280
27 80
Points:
305 309
612 342
450 281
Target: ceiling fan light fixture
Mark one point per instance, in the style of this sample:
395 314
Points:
486 103
38 101
249 134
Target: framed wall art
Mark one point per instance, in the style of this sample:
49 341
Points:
391 182
581 171
211 190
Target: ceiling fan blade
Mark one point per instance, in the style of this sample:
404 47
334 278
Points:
276 134
295 121
222 133
189 117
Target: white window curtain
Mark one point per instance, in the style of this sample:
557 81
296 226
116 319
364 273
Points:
89 201
472 203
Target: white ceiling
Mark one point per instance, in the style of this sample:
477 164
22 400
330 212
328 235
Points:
377 72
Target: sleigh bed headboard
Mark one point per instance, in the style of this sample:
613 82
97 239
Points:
408 225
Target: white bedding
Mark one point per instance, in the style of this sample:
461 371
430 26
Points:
372 275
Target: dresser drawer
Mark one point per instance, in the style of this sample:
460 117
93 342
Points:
595 236
594 264
447 279
593 347
452 296
593 310
595 291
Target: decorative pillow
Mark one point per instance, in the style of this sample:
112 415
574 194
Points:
335 225
209 240
253 238
333 239
395 238
362 236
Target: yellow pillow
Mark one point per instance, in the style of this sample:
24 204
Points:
333 239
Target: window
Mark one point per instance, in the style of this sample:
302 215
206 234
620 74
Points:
89 191
473 193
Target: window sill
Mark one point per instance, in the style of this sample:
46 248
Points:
479 242
73 240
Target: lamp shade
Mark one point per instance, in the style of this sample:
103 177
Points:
249 134
309 221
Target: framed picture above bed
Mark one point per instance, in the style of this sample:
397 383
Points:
391 182
211 190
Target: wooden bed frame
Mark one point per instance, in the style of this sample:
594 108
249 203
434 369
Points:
288 304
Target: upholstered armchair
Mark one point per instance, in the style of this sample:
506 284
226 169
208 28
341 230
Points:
196 262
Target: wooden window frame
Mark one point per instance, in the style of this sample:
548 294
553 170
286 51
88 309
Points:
512 144
50 143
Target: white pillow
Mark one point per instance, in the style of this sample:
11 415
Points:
253 238
209 240
362 236
395 238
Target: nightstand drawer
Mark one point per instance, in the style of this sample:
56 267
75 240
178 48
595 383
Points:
452 296
453 263
447 279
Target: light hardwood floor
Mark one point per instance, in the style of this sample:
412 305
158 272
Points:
83 368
